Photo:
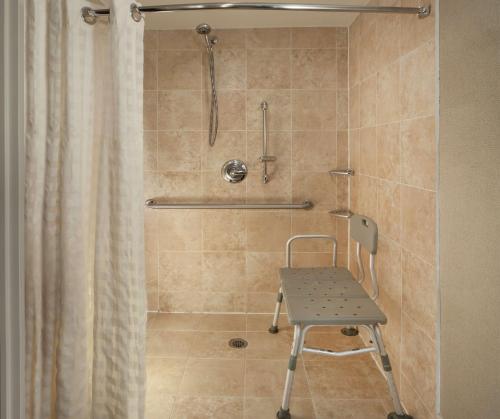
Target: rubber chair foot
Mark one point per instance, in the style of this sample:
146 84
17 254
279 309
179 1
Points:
283 414
394 415
273 330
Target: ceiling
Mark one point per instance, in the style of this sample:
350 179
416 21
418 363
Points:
223 19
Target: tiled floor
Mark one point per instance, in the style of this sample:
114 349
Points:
194 374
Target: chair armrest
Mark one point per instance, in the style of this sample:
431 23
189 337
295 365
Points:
309 236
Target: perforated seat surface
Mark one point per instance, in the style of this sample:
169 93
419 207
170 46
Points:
324 282
327 296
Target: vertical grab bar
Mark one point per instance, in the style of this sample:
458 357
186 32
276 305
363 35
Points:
265 158
263 106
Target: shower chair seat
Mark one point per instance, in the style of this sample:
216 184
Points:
331 296
327 296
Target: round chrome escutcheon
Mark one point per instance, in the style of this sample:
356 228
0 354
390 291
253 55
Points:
234 171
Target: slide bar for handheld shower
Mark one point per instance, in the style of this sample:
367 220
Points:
297 7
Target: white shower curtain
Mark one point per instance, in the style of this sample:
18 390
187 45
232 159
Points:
85 292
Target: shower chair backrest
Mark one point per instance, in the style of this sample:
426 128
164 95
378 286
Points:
365 232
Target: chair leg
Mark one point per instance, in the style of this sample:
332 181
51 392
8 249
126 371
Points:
298 340
399 412
274 327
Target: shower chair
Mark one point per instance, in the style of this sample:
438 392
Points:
330 296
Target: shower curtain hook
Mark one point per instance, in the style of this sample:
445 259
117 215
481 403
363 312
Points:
136 13
89 16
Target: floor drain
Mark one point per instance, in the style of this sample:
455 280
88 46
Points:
350 331
238 343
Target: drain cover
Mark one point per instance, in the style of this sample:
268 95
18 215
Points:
238 343
350 331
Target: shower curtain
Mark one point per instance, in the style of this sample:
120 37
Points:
85 292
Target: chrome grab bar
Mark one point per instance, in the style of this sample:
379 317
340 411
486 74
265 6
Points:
264 159
151 203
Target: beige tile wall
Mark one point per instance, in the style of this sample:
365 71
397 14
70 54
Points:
393 151
227 261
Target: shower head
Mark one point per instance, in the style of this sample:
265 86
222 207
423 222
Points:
203 29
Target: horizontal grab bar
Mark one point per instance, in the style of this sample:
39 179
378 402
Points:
151 203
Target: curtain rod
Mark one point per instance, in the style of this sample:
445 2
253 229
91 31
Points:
90 15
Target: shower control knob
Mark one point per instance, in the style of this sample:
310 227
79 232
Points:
234 171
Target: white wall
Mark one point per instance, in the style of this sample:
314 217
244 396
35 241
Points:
470 208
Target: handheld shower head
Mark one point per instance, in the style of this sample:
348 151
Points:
203 29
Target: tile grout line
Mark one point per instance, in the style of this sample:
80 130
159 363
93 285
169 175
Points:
245 366
246 194
400 180
177 393
157 250
419 397
407 185
315 409
246 227
201 148
290 90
